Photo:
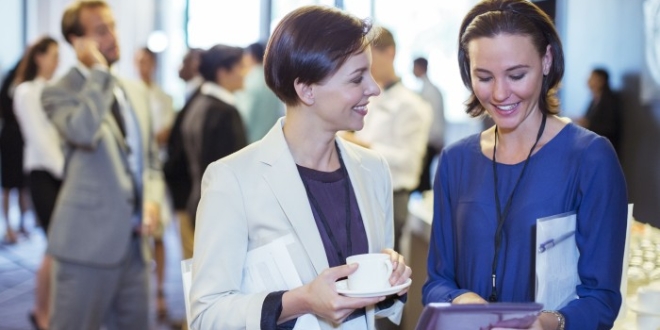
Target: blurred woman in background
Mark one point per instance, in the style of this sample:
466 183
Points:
43 156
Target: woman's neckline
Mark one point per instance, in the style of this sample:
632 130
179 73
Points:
538 150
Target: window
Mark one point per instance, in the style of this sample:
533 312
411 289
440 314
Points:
234 23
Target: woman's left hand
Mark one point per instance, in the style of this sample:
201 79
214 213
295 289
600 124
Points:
535 326
400 271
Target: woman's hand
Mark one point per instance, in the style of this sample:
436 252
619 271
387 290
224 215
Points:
469 298
320 297
535 326
400 272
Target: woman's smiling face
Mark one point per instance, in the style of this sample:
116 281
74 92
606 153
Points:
507 75
341 99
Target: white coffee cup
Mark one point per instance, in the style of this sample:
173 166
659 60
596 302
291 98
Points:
373 273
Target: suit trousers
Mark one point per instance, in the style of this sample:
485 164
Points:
87 297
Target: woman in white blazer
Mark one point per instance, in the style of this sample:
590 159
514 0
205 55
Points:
301 199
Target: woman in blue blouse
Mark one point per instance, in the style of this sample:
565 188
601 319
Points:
532 164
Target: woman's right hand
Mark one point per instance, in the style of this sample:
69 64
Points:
469 298
320 296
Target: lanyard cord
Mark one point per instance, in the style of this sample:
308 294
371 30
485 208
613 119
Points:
501 216
324 220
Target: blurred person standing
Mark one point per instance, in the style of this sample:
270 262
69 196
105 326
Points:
162 115
603 115
11 159
44 158
213 128
433 96
189 72
109 200
259 106
161 104
175 167
397 127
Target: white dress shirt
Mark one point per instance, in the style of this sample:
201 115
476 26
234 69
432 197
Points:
432 94
397 126
43 147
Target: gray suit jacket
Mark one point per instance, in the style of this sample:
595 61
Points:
256 196
92 222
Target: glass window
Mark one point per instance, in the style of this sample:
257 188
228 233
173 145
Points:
359 8
282 7
234 23
434 36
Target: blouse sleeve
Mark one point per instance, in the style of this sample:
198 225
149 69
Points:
441 285
600 237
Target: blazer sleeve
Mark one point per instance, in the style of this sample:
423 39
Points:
78 114
221 245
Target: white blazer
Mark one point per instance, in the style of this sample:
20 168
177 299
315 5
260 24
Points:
255 196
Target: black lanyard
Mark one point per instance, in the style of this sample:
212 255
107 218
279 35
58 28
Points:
324 220
501 216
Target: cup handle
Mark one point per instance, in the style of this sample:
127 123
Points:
388 266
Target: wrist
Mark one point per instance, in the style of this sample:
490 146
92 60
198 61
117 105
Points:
557 317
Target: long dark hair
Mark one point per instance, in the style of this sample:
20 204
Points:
28 68
490 18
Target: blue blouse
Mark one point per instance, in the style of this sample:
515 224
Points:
575 171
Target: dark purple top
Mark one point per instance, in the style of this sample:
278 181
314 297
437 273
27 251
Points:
327 198
326 193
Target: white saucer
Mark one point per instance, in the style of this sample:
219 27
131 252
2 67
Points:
343 290
633 304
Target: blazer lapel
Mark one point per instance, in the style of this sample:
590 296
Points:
77 79
356 172
283 178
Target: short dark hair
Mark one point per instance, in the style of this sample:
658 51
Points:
602 72
422 63
71 17
28 68
257 51
217 57
308 45
490 18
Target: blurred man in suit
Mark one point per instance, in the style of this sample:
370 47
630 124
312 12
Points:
603 116
108 204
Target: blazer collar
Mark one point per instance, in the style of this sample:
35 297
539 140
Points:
286 184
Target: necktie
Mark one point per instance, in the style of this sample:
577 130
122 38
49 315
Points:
116 113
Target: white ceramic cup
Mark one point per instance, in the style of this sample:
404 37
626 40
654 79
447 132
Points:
373 272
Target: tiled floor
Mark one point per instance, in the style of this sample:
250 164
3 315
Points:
18 264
